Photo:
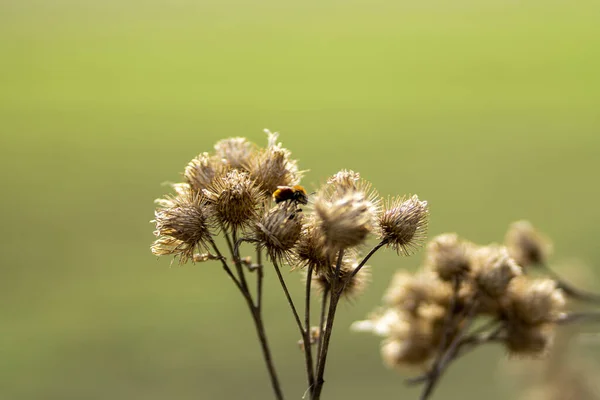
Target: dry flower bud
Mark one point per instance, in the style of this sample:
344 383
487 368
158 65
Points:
323 280
202 170
272 167
233 199
449 256
310 250
526 245
403 224
345 222
534 301
410 345
529 341
278 230
236 151
410 291
181 227
493 269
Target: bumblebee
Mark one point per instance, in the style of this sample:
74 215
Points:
294 194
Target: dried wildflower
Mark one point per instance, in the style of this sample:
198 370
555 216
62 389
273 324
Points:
380 323
202 170
528 341
236 151
412 343
526 245
345 222
448 256
272 167
310 250
353 287
410 291
181 227
534 301
493 269
234 200
277 231
403 224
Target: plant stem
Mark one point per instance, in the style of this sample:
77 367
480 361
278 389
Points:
570 290
364 260
322 324
333 302
259 278
308 350
441 363
256 313
305 339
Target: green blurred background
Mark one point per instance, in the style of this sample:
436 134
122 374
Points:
489 110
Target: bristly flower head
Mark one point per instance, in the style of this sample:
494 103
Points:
277 231
493 270
310 250
345 222
345 209
272 167
233 200
448 256
409 292
354 286
181 226
526 245
403 224
534 301
202 170
235 151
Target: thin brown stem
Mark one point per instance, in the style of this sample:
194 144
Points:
440 366
364 260
570 290
466 345
259 277
225 265
264 344
307 342
303 332
258 323
322 324
236 258
333 302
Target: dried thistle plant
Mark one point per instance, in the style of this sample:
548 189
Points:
249 199
465 296
247 196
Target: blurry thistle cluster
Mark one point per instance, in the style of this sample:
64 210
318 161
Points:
466 295
251 199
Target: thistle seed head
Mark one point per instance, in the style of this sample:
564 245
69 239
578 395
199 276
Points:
310 249
409 292
345 222
202 170
448 256
493 270
403 224
526 245
323 280
534 301
235 151
234 200
272 167
181 227
277 231
528 341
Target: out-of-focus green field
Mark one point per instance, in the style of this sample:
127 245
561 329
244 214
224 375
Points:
489 110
